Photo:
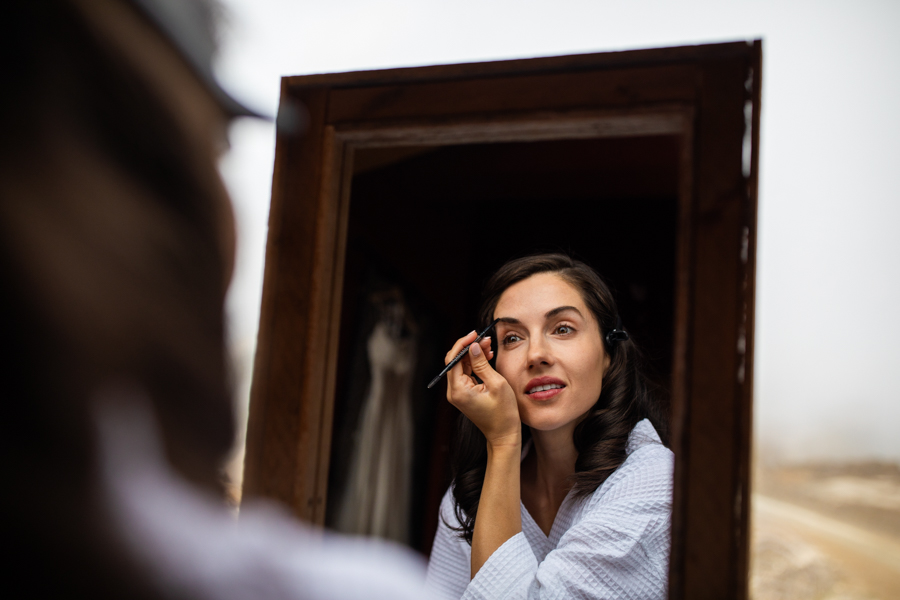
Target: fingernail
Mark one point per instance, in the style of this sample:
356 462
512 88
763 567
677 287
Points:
476 350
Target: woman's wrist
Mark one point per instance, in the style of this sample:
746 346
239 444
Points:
510 442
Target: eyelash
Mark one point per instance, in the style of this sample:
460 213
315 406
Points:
507 340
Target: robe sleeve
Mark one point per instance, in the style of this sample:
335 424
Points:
450 563
618 549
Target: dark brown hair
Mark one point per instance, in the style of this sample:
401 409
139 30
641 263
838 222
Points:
601 437
114 267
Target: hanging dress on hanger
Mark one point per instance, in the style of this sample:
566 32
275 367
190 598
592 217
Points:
376 499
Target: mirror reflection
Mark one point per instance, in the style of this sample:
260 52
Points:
428 226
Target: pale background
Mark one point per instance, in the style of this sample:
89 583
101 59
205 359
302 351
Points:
826 384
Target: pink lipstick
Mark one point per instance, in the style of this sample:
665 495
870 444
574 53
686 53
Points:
544 388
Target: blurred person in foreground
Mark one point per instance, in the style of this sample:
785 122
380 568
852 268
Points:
116 249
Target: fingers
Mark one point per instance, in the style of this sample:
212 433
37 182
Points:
460 376
466 360
465 341
478 359
459 345
486 346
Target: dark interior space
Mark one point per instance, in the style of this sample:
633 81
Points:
434 223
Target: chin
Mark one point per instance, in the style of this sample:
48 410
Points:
545 422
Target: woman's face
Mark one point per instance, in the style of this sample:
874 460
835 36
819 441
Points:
550 350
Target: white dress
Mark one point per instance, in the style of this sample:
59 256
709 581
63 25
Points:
613 544
377 499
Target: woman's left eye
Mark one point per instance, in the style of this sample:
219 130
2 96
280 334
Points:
565 329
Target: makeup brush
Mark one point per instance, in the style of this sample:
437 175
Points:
462 353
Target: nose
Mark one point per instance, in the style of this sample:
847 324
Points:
538 352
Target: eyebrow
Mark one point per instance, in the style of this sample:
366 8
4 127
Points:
556 311
548 315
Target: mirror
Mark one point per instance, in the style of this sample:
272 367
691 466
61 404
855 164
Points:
376 213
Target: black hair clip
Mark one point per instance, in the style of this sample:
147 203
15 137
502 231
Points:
618 334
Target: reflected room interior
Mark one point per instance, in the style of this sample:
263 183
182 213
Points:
427 227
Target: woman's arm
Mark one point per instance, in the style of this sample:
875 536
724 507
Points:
492 407
499 515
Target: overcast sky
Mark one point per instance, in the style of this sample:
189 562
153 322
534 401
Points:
828 287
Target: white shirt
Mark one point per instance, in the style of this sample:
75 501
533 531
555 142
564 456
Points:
613 544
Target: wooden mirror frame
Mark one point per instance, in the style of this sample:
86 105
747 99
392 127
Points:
707 95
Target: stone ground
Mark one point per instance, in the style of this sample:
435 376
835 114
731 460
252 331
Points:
826 532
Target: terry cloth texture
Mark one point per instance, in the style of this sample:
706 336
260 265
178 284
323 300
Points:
613 544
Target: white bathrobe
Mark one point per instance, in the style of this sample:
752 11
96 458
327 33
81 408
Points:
613 544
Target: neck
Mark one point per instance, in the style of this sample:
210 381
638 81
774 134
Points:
555 457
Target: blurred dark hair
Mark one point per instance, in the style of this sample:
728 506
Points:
601 437
115 253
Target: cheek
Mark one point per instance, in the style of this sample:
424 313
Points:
590 367
502 363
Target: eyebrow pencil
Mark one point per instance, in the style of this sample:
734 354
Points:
462 353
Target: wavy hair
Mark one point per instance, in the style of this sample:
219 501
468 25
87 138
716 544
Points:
600 438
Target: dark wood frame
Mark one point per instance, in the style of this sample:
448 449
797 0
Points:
708 95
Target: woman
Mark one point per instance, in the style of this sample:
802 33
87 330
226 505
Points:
582 510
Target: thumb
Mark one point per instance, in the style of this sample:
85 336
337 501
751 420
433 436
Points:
480 364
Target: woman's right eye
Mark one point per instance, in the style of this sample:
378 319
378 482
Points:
510 338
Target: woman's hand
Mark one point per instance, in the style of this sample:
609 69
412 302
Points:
491 405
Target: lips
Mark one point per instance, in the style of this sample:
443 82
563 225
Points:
544 388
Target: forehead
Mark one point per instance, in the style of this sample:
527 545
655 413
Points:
535 296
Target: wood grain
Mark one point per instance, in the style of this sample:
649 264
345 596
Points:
503 95
530 126
531 66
